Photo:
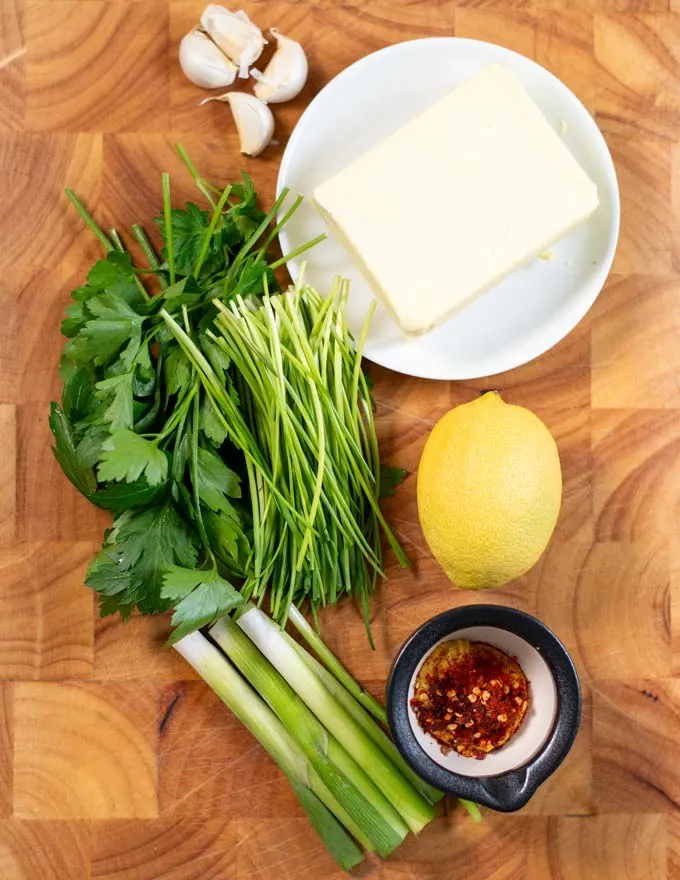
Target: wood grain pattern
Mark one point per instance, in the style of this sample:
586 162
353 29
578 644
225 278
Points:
176 849
85 751
116 763
636 725
116 78
45 621
44 850
609 847
8 490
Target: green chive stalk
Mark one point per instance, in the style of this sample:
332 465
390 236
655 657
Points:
305 426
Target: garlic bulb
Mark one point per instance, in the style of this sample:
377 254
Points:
285 75
204 63
253 118
235 34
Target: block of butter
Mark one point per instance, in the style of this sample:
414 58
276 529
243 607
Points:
448 205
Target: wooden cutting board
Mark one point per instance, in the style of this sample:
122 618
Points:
115 762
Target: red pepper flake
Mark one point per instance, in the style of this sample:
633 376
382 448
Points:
471 697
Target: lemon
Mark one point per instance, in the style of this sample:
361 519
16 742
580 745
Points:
489 491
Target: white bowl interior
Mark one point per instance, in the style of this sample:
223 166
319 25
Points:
538 721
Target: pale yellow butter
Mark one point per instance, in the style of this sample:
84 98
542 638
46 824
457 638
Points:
472 188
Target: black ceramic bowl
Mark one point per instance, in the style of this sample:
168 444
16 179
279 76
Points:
505 779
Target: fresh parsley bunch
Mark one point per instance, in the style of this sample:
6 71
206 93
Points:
135 433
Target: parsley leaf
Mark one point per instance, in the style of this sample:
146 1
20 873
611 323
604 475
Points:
89 448
210 424
185 292
177 371
144 376
189 227
113 274
116 275
215 481
251 279
78 397
128 570
126 456
116 393
227 538
245 214
79 474
75 312
248 197
119 497
116 325
200 598
390 478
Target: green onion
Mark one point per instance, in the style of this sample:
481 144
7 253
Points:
317 802
368 701
348 775
349 783
413 808
347 692
361 716
472 809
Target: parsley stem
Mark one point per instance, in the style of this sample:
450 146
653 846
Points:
217 213
279 226
297 251
87 219
115 238
149 252
167 217
193 465
200 183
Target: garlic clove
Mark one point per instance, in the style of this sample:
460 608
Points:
235 34
285 75
204 63
253 118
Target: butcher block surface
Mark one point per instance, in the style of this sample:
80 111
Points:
116 763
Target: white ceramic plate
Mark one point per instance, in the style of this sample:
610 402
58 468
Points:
532 309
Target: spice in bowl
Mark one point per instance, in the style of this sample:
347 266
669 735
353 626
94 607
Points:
470 696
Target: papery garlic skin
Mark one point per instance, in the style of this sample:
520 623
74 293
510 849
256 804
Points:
204 63
254 120
286 74
235 34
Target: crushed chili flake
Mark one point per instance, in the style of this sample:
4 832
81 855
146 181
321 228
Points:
470 696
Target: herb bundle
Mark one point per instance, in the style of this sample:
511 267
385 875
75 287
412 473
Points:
228 429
